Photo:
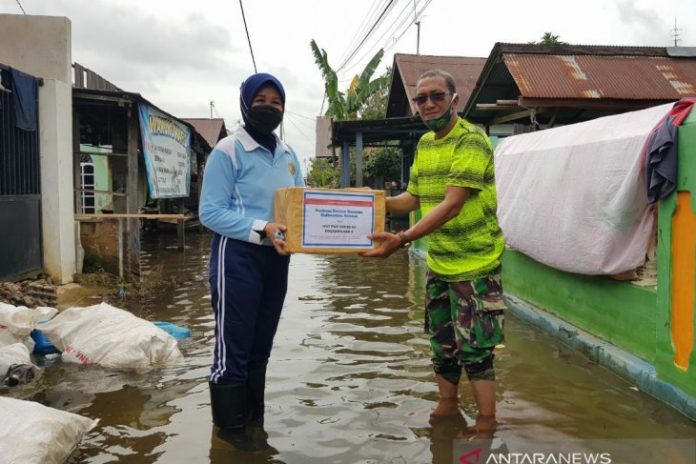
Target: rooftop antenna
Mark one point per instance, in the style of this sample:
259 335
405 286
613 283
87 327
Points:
676 32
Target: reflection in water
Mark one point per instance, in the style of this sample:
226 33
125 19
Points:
349 380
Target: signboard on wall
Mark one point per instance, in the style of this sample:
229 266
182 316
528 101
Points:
167 151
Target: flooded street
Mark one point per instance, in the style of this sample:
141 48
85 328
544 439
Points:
349 379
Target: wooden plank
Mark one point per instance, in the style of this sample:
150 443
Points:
593 104
124 155
518 115
83 217
115 194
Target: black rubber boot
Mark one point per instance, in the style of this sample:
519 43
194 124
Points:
229 404
256 386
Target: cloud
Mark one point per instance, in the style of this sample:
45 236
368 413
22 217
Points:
645 23
134 48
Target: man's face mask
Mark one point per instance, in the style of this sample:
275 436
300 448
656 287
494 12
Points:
439 123
265 118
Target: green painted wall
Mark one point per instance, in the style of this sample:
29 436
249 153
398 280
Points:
618 312
686 180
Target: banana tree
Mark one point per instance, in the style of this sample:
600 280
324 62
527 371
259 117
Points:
347 105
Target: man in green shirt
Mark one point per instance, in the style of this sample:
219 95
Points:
453 184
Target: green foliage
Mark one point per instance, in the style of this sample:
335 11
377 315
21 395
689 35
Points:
375 107
383 163
323 174
347 105
549 39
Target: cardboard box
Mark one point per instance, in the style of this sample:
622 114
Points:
329 221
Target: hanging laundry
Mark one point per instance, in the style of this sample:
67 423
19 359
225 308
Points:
24 95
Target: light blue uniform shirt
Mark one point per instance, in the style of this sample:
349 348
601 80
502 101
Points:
239 183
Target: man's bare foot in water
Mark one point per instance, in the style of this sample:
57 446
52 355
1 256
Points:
485 427
446 407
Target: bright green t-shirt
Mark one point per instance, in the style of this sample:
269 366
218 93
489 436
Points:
471 244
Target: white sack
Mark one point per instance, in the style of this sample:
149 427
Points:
17 322
111 337
8 338
15 354
33 433
20 320
575 197
18 358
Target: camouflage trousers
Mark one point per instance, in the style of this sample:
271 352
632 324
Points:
465 320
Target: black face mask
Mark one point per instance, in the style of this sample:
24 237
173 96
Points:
264 118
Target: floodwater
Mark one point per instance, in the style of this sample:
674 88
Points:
349 378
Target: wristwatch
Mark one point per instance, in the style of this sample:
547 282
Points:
403 240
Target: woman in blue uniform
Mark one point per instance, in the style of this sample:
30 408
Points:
249 261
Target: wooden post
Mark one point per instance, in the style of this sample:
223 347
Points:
180 230
77 172
345 165
120 248
359 159
132 200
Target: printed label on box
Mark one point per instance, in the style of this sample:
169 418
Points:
338 220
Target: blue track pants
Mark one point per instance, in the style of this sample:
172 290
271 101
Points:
248 283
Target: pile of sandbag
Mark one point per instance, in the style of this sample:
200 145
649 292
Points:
101 334
111 337
36 434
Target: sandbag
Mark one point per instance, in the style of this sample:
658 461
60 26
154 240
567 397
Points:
111 337
33 433
16 367
17 322
21 320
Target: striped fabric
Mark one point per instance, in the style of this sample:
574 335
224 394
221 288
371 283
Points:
471 244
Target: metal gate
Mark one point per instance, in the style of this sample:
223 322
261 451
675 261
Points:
20 190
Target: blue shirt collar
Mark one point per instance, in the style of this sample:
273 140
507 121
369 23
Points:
250 144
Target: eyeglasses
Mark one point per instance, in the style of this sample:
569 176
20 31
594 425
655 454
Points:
435 97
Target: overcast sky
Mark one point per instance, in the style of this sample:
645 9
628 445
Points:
180 55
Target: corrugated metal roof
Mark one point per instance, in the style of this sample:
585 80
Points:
211 129
465 71
602 77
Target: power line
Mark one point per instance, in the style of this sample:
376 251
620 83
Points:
418 15
300 115
395 34
21 7
369 33
297 127
247 34
396 29
387 32
374 8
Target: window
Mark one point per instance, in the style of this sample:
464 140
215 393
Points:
87 184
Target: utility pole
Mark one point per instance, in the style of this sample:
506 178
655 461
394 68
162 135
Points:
417 22
675 33
212 105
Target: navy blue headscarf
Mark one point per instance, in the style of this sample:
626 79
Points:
250 87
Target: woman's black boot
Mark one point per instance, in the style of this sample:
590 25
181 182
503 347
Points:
229 404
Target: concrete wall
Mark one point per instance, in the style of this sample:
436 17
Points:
41 46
